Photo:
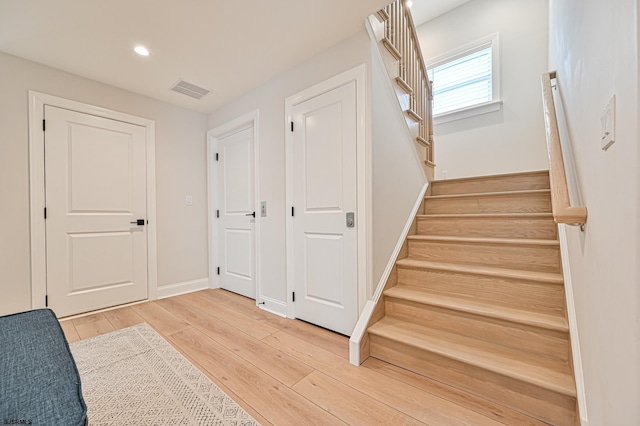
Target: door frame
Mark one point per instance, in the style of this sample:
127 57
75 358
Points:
363 187
250 119
37 102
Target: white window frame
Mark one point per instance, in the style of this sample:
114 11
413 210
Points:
495 104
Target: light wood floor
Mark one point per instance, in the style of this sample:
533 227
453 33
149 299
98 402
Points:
288 372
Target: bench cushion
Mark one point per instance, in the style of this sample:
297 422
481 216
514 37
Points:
39 381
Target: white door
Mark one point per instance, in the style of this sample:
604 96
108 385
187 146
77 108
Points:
324 193
95 180
236 222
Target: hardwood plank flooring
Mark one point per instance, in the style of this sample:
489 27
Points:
70 331
288 372
123 317
92 325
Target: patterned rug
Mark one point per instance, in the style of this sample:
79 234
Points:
135 377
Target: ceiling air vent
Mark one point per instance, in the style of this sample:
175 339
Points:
190 89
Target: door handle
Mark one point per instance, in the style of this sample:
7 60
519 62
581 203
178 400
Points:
251 214
139 222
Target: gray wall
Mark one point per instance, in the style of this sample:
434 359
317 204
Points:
593 64
512 139
180 170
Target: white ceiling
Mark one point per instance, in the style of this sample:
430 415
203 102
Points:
425 10
228 46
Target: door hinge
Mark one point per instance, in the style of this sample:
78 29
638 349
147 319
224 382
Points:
46 301
44 126
293 296
45 212
216 156
217 213
292 211
292 126
218 270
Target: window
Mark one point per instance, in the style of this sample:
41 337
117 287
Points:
465 82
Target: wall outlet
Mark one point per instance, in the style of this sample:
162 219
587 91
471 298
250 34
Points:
443 174
608 124
189 200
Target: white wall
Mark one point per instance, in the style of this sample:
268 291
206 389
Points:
512 139
180 170
594 47
396 170
269 99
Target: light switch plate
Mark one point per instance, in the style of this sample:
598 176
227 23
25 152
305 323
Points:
189 200
608 124
263 209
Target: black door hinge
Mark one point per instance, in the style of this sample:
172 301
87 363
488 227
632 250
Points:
46 301
292 126
45 212
218 270
216 156
293 296
292 211
44 126
217 213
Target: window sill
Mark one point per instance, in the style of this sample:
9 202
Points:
463 113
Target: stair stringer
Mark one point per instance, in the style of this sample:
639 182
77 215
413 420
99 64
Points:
374 308
576 357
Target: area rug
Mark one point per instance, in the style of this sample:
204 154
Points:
135 377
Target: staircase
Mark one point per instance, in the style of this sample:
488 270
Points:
479 300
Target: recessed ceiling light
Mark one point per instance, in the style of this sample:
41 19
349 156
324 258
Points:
409 4
142 51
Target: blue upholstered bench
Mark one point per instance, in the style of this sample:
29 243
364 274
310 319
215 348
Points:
39 381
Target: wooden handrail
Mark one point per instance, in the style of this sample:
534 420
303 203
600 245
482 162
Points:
563 212
401 40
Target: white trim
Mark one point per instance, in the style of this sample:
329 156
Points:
363 321
573 325
277 307
492 40
182 288
250 119
37 102
357 74
399 244
359 331
470 111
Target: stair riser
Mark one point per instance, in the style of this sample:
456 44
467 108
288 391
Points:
489 184
523 257
532 296
544 347
543 404
528 228
537 202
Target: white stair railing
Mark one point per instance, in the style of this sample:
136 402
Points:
401 39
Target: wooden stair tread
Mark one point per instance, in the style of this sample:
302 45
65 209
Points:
544 277
474 240
533 319
474 352
516 215
488 194
500 176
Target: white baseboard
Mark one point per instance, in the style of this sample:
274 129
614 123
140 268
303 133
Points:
274 306
182 288
363 320
573 325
